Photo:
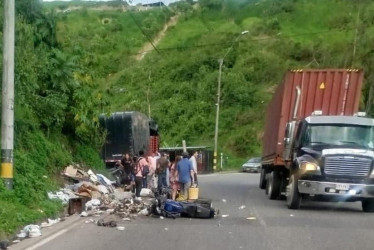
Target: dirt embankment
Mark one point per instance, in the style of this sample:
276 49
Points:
148 46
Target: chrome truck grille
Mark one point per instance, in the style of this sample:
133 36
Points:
347 166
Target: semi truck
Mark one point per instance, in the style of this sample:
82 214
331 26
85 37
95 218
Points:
127 132
316 144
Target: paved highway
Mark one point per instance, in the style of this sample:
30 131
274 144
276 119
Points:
247 220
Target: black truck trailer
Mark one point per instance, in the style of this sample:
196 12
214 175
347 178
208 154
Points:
127 132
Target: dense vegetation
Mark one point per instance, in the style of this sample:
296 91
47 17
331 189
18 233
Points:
73 65
181 76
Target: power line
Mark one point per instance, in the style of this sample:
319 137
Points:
144 33
243 41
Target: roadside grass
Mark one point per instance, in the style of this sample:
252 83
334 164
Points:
14 215
38 162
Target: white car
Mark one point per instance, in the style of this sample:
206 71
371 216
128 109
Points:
252 165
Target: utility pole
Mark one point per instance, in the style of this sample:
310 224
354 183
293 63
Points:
7 117
220 61
217 115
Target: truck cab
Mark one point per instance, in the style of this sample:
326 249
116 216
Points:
330 157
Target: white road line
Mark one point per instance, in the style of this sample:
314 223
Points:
51 237
46 240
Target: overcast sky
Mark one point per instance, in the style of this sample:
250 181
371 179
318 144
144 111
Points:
134 2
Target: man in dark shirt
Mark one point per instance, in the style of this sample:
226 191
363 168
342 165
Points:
128 167
162 165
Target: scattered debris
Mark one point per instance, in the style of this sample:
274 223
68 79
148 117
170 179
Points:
103 189
223 200
145 192
241 207
291 215
92 204
94 195
75 173
121 195
251 218
90 221
22 234
102 223
84 214
30 231
144 212
64 195
50 223
166 229
4 244
225 215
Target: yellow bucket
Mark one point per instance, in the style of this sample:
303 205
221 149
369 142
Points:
193 193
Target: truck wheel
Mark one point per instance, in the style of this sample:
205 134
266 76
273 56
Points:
273 186
367 205
262 184
293 195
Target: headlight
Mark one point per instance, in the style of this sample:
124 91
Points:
309 166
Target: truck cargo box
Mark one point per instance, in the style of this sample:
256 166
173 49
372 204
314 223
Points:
126 132
333 91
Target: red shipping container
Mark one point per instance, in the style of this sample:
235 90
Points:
333 91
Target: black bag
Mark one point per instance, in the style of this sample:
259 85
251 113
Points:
195 210
144 169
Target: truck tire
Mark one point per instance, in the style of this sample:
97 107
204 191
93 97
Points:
293 195
367 205
262 184
273 186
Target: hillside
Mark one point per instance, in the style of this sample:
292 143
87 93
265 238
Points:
181 75
72 66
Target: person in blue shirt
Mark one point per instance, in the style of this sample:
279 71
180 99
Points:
185 173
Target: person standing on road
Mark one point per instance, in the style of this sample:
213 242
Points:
152 171
162 165
140 164
168 171
174 178
185 173
156 157
128 168
194 165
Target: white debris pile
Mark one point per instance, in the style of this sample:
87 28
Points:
64 195
30 231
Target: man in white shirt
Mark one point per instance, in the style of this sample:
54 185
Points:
152 170
194 165
156 156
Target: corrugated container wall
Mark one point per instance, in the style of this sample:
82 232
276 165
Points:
334 91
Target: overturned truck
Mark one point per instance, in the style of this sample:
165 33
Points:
128 132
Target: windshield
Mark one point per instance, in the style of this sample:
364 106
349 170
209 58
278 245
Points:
340 135
255 160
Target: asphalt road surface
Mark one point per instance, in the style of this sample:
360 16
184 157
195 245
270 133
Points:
247 220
